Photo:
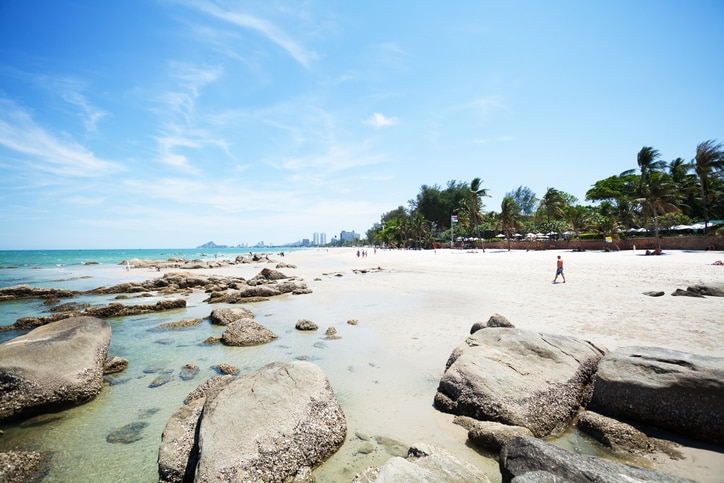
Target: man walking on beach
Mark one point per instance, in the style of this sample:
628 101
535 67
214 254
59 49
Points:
559 270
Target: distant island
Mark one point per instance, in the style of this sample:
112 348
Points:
212 245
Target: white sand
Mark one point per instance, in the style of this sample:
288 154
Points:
422 304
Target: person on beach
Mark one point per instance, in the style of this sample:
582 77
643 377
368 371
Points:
559 270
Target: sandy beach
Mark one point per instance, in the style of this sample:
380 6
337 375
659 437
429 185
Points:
414 307
411 308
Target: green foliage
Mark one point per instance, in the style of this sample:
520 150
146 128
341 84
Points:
656 194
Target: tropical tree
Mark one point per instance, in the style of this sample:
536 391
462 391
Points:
472 205
686 184
525 198
552 205
509 217
660 197
579 217
708 160
648 161
621 193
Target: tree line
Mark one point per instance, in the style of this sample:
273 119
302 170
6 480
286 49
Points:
656 195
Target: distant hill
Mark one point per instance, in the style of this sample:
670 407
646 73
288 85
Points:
212 245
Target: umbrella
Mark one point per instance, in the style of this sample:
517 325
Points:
500 235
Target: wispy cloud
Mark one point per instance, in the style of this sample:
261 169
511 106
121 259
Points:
43 150
266 28
90 115
378 120
485 105
500 139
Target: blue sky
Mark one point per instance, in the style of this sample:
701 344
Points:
143 123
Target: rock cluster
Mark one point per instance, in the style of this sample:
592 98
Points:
114 309
515 386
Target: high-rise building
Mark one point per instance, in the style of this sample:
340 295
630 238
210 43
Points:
323 239
315 238
349 236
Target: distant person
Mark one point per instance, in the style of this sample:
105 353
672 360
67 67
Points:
559 270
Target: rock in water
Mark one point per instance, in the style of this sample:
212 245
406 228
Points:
272 424
525 455
53 366
129 433
246 332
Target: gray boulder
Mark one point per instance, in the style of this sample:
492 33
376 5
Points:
669 389
53 366
114 364
525 455
614 434
519 378
269 274
707 290
246 332
305 324
23 466
495 320
492 436
424 463
269 425
229 315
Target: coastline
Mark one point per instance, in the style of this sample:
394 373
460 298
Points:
421 304
414 307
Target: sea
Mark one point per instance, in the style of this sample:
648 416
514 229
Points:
80 439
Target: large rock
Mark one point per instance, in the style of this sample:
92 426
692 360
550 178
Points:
526 454
672 390
268 425
226 316
519 378
53 366
23 466
424 463
246 332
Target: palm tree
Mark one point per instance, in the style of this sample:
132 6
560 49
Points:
552 204
709 158
472 205
648 162
660 197
686 184
509 217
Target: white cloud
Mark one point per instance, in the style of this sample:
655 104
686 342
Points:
500 139
378 120
264 27
44 151
484 105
